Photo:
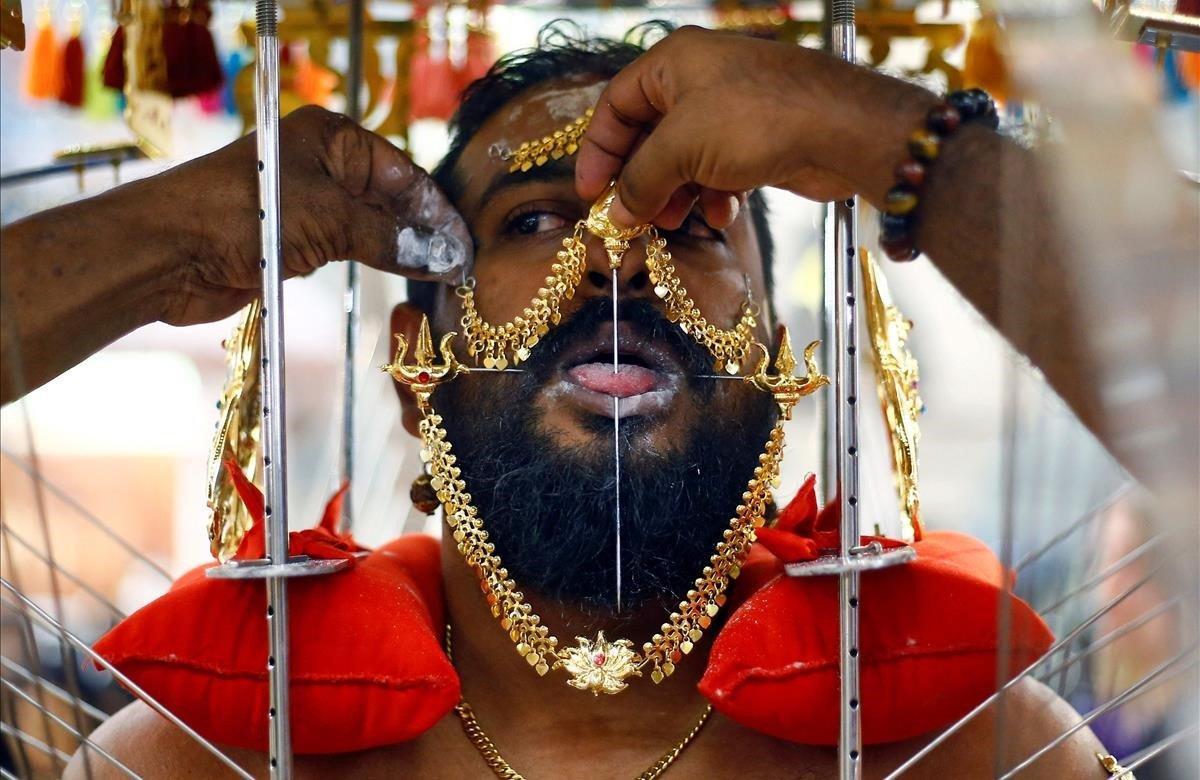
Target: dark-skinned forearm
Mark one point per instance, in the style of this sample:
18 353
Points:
77 277
987 224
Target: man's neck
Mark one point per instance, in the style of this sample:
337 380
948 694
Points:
515 705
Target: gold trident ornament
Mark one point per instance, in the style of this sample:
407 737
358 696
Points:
424 375
784 385
600 224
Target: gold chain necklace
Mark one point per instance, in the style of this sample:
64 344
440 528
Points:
503 770
597 665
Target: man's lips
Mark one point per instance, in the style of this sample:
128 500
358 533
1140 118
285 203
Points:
628 381
644 384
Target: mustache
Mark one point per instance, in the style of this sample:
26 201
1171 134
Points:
645 320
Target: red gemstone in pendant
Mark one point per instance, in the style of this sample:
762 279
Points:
423 377
599 659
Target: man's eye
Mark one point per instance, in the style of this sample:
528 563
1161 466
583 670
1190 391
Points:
695 227
534 222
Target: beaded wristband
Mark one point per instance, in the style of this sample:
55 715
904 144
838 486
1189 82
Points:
898 220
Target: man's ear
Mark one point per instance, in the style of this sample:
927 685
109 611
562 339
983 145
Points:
406 321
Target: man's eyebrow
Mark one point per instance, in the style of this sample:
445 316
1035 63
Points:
551 172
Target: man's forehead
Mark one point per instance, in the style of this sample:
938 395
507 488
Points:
529 116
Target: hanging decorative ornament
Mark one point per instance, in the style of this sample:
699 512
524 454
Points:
498 346
899 384
72 79
43 75
112 72
99 102
191 54
235 445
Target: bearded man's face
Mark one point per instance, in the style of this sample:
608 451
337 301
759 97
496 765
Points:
537 448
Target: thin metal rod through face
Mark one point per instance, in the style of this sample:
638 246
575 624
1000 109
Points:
983 705
616 361
50 688
480 370
122 678
87 515
67 727
1155 677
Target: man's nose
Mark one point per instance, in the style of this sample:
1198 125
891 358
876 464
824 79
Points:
633 279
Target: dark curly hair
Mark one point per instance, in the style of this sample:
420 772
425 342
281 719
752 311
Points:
563 50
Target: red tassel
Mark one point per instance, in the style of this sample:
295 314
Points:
191 55
42 74
114 62
71 91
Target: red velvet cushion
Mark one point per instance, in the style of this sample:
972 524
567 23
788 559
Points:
927 647
367 666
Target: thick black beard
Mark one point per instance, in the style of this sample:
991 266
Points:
550 509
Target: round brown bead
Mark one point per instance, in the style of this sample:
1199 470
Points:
423 496
943 119
911 172
900 249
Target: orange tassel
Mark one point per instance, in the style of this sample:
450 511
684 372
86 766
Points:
42 75
984 64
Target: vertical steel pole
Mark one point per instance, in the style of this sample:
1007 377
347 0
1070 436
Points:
353 294
273 414
845 385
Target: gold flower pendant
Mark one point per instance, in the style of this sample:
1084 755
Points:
600 666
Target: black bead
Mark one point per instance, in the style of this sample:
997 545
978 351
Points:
894 226
962 102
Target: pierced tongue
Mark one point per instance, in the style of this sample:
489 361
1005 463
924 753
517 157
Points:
599 378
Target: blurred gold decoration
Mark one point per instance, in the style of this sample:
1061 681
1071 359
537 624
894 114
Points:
784 385
12 25
384 104
984 63
898 383
880 23
237 436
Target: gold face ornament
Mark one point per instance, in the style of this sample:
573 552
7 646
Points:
598 665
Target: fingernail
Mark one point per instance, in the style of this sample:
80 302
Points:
621 215
735 206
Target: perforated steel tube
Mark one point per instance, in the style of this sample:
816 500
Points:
273 408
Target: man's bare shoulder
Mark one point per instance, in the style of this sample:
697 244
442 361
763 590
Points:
152 747
1033 714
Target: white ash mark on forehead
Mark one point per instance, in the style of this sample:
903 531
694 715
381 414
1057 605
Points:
569 103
